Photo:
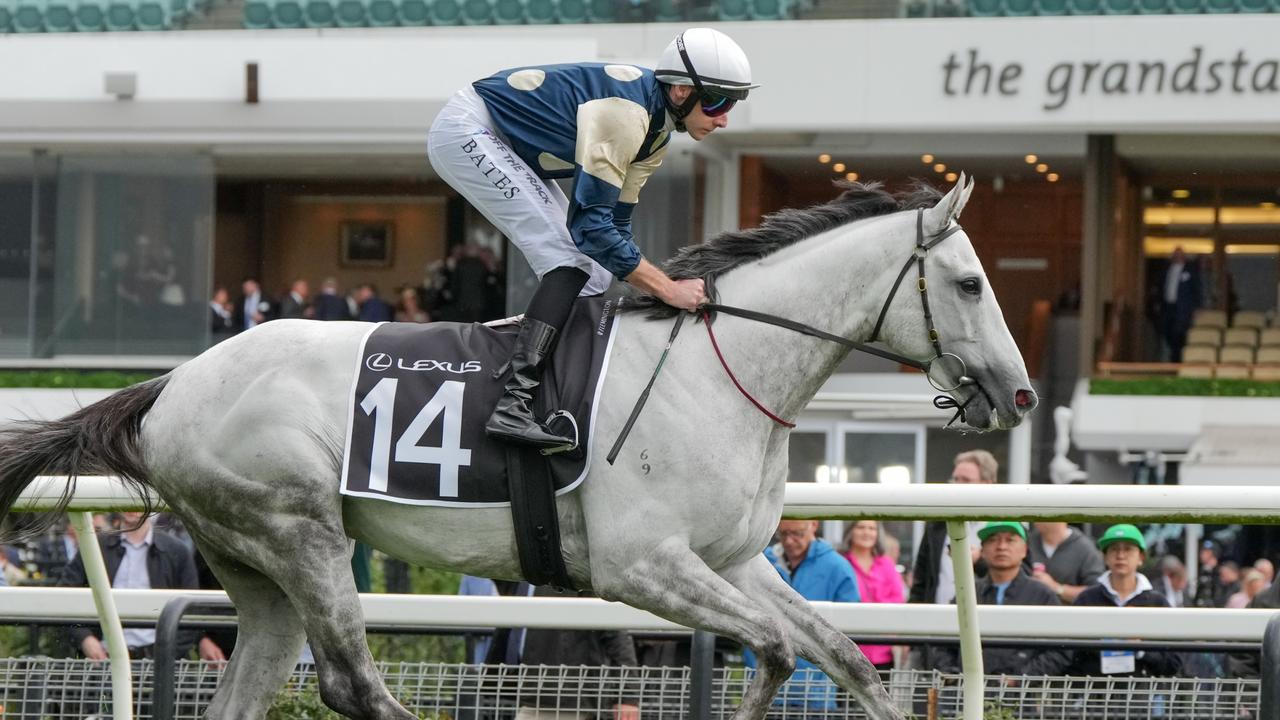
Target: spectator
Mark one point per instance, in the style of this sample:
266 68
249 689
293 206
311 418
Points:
1210 590
1063 559
410 309
372 308
1265 567
1254 583
878 579
477 645
1246 664
564 647
817 572
295 304
1179 299
329 305
1173 582
10 572
1004 548
253 308
1124 550
139 557
934 578
221 319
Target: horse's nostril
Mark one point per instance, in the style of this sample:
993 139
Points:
1025 399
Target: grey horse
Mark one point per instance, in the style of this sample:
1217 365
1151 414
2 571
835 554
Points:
245 443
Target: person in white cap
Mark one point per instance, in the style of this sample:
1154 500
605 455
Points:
502 140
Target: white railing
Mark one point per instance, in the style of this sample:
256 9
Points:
952 503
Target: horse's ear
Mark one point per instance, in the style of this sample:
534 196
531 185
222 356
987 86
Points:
948 208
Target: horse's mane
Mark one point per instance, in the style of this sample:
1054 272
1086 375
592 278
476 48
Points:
728 250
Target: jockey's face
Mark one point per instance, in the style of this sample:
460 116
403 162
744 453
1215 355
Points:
696 122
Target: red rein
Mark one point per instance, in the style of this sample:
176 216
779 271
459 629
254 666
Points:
706 320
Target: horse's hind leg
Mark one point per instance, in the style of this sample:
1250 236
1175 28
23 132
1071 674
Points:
317 576
676 584
814 638
267 646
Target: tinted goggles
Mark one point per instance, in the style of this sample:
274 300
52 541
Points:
714 105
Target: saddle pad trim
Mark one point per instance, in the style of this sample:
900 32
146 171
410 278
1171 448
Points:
351 412
586 467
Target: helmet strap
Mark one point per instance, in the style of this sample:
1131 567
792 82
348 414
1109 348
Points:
681 111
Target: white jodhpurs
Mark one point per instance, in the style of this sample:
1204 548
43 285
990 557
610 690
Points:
472 157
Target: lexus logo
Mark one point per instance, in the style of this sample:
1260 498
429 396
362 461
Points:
378 362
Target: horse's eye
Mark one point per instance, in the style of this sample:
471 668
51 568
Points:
972 286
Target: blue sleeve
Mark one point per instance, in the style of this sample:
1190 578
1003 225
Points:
601 226
846 585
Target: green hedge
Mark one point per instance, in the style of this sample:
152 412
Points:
1183 386
105 379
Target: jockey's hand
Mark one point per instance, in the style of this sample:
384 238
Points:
686 294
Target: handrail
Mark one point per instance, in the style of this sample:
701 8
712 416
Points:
872 501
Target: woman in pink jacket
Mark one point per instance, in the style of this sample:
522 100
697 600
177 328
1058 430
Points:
878 579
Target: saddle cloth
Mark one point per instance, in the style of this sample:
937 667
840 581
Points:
422 393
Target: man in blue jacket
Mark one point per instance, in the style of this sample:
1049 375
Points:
816 571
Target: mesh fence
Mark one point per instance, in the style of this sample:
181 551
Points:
58 689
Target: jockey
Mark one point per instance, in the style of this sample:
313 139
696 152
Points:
500 143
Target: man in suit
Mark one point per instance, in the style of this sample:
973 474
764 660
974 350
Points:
139 557
1179 299
254 307
328 304
297 304
372 307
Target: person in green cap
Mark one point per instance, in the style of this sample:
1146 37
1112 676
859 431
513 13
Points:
1004 547
1124 550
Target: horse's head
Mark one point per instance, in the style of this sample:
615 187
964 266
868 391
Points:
974 358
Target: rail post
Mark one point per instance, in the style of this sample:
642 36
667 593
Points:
701 661
967 608
164 697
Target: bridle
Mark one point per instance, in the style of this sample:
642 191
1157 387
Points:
945 371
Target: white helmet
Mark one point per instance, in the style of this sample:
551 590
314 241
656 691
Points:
706 59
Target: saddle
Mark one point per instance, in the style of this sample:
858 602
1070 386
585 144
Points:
415 428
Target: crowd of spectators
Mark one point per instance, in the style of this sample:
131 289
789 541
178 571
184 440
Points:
468 286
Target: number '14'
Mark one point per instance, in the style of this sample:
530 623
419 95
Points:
380 402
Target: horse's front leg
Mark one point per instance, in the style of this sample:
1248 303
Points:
674 583
813 638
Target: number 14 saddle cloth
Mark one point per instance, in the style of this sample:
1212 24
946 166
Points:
422 394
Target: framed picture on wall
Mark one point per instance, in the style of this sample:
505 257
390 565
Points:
367 244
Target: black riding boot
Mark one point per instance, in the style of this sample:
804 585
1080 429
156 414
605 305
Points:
512 420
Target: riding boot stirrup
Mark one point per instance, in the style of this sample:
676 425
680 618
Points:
512 420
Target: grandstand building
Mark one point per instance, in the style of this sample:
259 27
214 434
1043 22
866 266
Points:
1103 135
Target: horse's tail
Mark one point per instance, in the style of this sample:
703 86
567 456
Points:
101 439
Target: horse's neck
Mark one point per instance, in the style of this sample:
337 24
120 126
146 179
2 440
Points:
834 282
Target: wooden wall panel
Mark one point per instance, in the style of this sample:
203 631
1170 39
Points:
1031 220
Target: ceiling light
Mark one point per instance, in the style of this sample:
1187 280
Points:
824 158
1181 194
926 158
1042 167
951 177
851 177
1051 177
1031 159
838 167
939 167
